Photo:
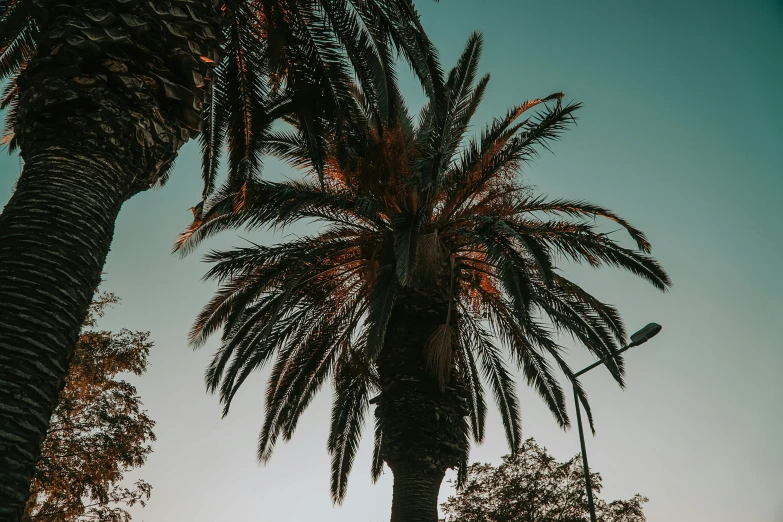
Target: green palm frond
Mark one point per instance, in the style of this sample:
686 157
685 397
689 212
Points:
377 458
595 250
239 109
582 209
524 341
17 36
349 408
580 392
462 467
266 204
587 328
306 54
607 313
369 53
498 164
381 300
478 406
446 116
298 373
499 379
401 24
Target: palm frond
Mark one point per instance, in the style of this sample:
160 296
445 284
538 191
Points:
382 294
348 412
442 137
577 386
278 205
499 379
296 376
377 457
508 327
596 250
469 372
18 36
582 209
11 103
588 327
368 52
338 331
399 20
608 313
479 155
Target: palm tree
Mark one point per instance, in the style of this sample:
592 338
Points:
100 96
433 259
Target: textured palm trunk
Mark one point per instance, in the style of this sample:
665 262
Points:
415 496
423 427
115 89
54 237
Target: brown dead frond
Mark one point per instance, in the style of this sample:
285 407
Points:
440 354
429 255
529 104
182 238
241 197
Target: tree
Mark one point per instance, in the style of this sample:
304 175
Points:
531 486
433 259
101 94
97 433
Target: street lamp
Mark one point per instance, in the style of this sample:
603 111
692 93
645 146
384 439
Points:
640 337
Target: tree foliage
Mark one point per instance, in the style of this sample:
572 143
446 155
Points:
532 486
97 433
405 201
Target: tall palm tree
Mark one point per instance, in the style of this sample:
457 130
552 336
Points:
434 258
101 94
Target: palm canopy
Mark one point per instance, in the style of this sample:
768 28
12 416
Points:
276 57
405 204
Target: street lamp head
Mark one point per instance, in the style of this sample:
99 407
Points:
645 334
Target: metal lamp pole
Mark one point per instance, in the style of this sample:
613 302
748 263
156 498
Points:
640 337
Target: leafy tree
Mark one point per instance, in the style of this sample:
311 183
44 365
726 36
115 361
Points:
101 95
428 249
531 486
98 431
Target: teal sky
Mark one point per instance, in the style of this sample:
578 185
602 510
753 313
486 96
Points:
681 134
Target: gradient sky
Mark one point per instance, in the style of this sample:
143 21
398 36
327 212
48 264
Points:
681 134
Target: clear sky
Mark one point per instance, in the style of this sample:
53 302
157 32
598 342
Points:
681 134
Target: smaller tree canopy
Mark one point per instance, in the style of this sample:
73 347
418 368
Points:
97 432
531 486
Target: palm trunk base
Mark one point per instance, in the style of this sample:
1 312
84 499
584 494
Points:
416 491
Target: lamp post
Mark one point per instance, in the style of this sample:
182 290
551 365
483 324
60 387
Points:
640 337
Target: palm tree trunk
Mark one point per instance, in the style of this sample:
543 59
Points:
423 427
114 89
56 231
415 497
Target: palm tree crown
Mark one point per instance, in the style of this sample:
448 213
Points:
411 207
273 57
